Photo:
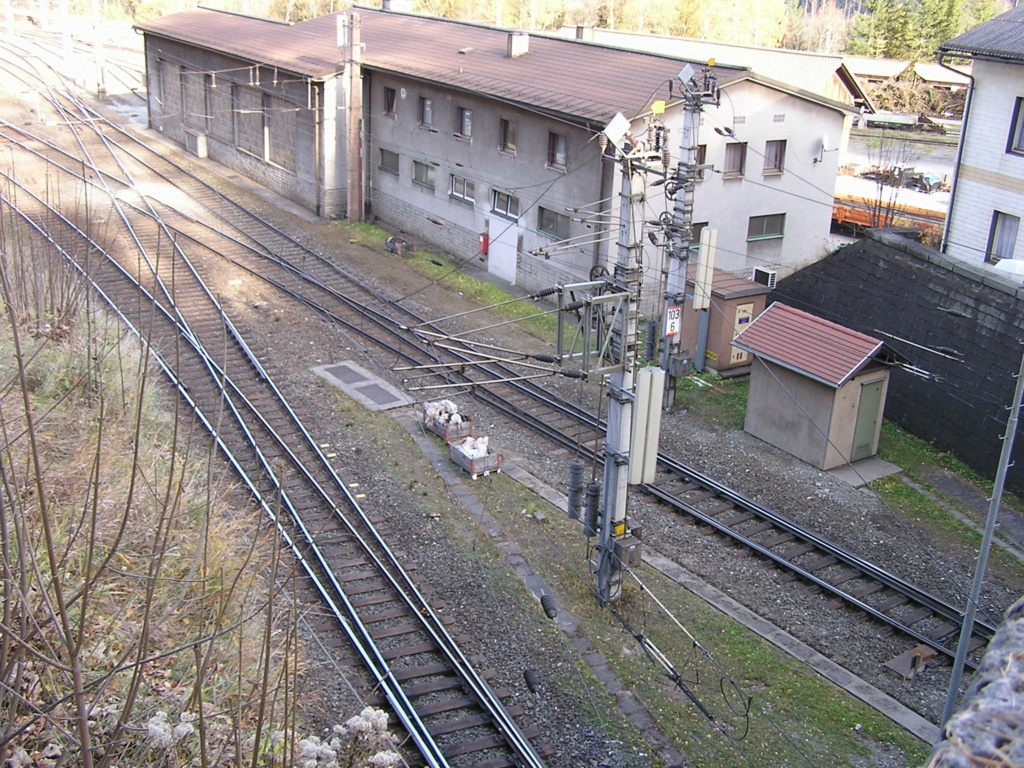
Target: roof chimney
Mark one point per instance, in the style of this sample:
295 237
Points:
518 44
398 6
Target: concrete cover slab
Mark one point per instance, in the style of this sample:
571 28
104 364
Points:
862 472
359 384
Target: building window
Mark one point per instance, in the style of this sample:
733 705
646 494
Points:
423 174
462 189
702 159
195 99
426 111
508 136
247 110
766 227
279 129
389 161
156 82
1002 237
390 102
264 125
465 122
505 204
774 156
1016 142
735 159
553 224
695 229
556 150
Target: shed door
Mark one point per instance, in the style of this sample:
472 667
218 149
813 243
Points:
868 413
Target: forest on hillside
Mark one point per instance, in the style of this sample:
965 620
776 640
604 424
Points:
896 29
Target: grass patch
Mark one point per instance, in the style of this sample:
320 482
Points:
448 272
918 458
773 693
714 400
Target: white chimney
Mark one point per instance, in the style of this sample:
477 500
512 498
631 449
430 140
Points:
398 6
518 44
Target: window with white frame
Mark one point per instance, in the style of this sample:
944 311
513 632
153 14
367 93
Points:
766 227
552 223
735 159
388 161
774 156
1016 140
423 174
507 142
505 204
556 150
426 111
465 128
390 102
1002 237
462 189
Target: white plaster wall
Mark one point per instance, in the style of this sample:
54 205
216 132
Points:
989 177
804 191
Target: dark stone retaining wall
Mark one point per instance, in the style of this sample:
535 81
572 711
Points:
960 324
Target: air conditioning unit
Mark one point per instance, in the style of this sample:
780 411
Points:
765 276
195 143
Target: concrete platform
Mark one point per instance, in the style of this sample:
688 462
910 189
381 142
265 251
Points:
860 473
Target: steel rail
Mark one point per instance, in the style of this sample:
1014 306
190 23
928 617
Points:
347 617
845 556
479 687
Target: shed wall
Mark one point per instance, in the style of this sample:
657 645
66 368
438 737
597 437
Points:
773 413
845 411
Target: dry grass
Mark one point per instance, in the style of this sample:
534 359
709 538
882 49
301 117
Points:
144 619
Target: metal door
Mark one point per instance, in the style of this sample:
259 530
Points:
868 413
504 249
744 313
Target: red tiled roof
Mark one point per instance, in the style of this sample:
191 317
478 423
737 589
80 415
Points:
802 342
567 77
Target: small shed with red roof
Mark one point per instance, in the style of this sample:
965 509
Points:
817 389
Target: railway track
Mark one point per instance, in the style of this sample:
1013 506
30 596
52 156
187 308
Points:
437 695
230 232
851 580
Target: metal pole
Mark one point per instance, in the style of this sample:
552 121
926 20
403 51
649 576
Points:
673 357
620 391
353 141
986 543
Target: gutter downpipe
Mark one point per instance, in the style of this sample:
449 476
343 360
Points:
959 150
600 254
